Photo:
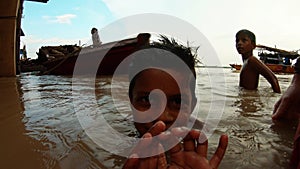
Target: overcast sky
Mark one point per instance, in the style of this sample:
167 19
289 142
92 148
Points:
60 22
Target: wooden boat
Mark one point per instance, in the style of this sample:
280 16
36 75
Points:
276 68
236 66
278 60
112 54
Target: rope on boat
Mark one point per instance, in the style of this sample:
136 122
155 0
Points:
56 66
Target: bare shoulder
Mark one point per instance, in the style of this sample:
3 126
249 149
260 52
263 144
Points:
255 63
253 59
250 63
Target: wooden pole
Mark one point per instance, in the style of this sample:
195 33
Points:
9 10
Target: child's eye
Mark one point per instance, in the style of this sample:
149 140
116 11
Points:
142 103
177 102
144 99
244 39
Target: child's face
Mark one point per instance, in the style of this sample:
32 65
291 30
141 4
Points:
152 79
244 44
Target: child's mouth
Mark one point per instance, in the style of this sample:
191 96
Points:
239 49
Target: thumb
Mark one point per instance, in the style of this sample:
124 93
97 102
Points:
281 109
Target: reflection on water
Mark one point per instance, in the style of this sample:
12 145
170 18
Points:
249 103
40 128
254 142
17 149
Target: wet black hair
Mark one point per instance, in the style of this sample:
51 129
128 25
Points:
250 34
161 55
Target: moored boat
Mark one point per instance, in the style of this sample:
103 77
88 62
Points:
236 66
112 54
276 68
278 60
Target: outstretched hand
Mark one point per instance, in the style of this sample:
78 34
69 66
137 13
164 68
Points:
193 152
288 106
147 145
188 154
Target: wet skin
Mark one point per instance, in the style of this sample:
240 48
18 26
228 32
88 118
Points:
245 47
166 108
252 67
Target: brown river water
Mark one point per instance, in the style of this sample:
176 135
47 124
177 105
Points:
40 126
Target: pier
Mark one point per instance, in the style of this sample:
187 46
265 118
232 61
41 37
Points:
10 31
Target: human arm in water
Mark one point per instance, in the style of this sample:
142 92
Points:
288 106
262 69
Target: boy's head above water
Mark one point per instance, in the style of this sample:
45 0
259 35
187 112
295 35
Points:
162 84
248 33
245 43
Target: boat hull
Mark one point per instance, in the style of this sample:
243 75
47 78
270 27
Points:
110 55
276 68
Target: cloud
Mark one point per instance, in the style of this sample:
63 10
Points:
65 18
62 19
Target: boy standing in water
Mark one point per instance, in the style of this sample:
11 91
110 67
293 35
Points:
252 67
162 96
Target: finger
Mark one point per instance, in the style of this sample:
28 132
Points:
180 132
157 128
150 157
149 162
143 145
173 167
162 161
177 148
164 136
219 154
176 134
189 144
276 105
189 141
202 145
282 109
132 162
195 134
157 160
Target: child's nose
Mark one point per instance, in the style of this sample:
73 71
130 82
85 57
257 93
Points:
239 43
167 116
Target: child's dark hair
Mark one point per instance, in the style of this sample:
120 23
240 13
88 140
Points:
250 34
93 30
162 56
